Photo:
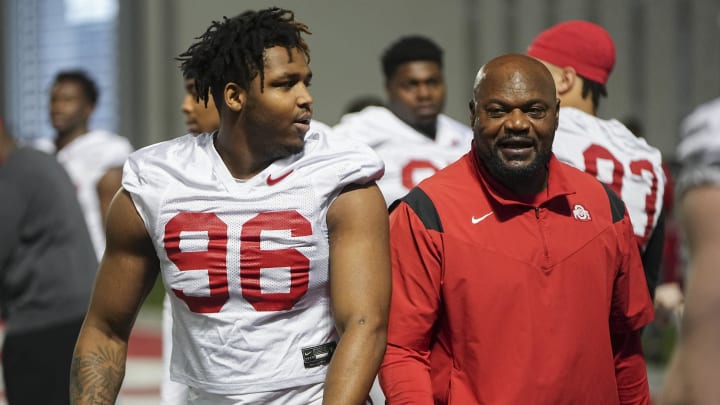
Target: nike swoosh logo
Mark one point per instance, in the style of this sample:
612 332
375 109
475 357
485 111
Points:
272 182
478 220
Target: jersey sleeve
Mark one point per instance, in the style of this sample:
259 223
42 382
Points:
416 276
118 151
340 161
697 175
366 167
145 186
109 151
355 126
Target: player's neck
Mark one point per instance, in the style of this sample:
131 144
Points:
64 138
576 101
237 156
428 130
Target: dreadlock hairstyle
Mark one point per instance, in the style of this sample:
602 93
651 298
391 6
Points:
87 85
233 50
595 89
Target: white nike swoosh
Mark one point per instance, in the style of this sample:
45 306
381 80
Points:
478 220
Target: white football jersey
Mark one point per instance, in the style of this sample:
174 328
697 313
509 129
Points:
409 156
699 148
86 159
616 157
246 262
699 140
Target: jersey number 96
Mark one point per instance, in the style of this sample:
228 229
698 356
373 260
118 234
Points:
252 259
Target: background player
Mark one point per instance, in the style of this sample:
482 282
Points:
693 376
411 134
581 55
93 159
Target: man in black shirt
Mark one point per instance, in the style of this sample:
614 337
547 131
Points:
47 267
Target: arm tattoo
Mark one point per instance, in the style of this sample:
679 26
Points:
95 377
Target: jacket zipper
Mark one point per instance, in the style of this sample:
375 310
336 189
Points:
546 265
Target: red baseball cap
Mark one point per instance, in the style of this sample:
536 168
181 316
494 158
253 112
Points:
582 45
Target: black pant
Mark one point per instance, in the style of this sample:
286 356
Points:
36 365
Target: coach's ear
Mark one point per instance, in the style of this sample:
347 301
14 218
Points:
234 96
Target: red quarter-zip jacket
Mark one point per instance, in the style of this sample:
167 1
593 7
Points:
500 299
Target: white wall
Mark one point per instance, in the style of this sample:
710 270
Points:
668 51
346 43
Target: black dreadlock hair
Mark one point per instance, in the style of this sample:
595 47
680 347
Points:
232 50
88 86
595 89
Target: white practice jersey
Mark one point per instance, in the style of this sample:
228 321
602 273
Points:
86 159
699 148
409 156
700 135
616 157
246 262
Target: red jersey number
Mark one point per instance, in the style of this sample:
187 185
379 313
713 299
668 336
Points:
408 171
595 152
252 259
213 259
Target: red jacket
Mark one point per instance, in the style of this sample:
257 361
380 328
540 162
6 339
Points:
499 299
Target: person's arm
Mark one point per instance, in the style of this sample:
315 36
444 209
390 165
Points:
630 369
106 188
693 375
127 273
12 212
631 310
416 271
359 291
653 255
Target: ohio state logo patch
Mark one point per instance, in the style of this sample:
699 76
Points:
580 213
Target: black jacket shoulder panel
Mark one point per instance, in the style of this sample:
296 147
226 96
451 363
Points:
423 207
617 206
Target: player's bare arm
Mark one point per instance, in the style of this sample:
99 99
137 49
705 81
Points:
693 374
107 187
359 290
127 273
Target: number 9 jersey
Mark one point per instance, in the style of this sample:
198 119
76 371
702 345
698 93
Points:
245 262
